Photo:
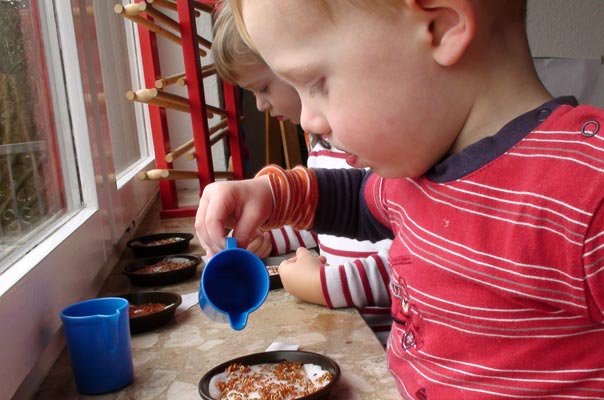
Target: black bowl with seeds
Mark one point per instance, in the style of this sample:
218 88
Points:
160 244
164 270
150 310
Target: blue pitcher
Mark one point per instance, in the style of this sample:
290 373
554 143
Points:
98 341
233 284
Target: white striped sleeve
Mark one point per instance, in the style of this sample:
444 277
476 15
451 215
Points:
287 239
359 283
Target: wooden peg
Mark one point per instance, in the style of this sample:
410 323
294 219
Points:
147 96
179 151
206 71
160 16
163 3
177 174
131 10
198 5
131 14
169 80
216 110
218 136
168 5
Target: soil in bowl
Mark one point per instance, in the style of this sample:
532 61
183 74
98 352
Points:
150 310
165 270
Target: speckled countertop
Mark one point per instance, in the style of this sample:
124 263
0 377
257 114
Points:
170 361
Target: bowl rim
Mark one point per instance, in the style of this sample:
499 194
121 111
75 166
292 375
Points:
129 271
170 307
268 357
161 235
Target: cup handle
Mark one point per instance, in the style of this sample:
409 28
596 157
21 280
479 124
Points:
231 243
111 330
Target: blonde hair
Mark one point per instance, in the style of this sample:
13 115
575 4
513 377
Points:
231 52
386 8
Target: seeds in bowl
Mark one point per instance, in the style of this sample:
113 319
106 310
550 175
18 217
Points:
169 264
140 310
158 242
285 380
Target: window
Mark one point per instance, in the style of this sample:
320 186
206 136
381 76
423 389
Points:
70 142
33 159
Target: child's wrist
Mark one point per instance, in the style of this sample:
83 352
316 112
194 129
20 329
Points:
294 196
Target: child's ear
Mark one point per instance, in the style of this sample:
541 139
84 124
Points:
452 26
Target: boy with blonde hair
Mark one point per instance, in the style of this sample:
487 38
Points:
348 273
493 189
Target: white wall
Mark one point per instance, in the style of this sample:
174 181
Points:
567 39
566 28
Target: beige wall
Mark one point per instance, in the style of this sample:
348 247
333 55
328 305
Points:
566 28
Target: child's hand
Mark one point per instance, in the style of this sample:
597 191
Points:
301 276
261 245
240 205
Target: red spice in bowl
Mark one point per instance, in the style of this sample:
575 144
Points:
164 270
140 310
150 310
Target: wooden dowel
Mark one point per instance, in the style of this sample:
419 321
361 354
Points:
149 25
218 136
167 4
175 174
203 7
154 93
208 70
172 98
145 98
221 124
131 10
179 151
169 80
163 3
216 110
181 81
160 16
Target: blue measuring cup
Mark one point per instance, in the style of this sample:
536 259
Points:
233 284
98 341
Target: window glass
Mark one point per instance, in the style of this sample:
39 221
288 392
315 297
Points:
32 190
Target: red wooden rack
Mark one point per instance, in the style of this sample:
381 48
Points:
152 21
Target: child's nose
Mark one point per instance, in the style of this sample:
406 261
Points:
313 121
261 104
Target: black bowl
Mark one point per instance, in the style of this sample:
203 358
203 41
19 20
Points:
165 277
154 320
273 357
156 245
274 279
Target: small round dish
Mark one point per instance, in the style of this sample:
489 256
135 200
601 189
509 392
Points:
274 357
160 244
274 277
151 320
164 270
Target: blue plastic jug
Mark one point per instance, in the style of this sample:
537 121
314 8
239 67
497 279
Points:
234 283
98 341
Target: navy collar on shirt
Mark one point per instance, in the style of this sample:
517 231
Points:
485 150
